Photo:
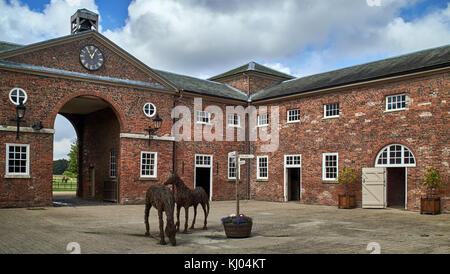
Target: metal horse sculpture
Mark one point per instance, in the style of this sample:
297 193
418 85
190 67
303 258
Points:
162 199
185 197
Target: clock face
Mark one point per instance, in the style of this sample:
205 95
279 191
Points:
91 57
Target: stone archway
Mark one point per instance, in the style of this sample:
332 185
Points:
98 130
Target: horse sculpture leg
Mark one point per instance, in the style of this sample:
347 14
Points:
206 215
186 210
161 227
195 215
178 218
147 213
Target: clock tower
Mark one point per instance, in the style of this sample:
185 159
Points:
83 20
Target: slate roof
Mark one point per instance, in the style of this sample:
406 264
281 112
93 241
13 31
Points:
200 86
8 46
252 66
400 65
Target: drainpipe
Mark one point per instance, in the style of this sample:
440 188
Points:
174 144
248 150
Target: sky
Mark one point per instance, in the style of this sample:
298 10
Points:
203 38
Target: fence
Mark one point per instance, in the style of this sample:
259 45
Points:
60 185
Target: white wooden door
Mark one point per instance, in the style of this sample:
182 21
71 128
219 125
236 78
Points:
374 187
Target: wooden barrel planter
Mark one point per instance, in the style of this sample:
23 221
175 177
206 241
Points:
430 206
346 201
238 230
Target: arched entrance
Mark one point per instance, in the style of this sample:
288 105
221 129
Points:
396 159
98 130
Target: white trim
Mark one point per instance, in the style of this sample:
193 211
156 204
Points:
259 120
324 155
208 116
147 114
402 164
210 166
331 116
258 176
155 175
27 167
27 129
238 120
293 121
146 136
286 167
396 109
18 90
236 169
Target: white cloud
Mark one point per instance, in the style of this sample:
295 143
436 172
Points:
61 148
22 25
279 67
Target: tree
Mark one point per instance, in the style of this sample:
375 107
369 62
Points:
59 166
73 158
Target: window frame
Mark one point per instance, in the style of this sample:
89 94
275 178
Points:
324 166
18 90
259 120
230 159
386 109
154 109
27 163
155 173
288 115
338 109
258 167
387 157
208 117
234 120
112 164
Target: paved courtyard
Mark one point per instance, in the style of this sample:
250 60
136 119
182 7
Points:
278 228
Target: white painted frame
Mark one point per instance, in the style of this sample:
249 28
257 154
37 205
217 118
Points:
228 169
286 167
402 164
395 109
258 175
331 116
155 175
324 166
27 167
202 114
149 114
260 120
288 115
210 166
18 90
233 124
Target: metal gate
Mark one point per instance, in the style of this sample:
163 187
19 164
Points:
374 187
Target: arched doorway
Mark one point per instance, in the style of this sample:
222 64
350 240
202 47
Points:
98 130
396 159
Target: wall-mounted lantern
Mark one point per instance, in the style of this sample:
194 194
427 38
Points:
151 131
20 113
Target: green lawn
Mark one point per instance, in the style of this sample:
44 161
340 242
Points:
59 185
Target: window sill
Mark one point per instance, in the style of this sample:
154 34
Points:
17 176
262 180
331 117
262 125
292 122
394 110
148 179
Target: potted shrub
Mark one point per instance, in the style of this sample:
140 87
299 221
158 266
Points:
431 204
346 177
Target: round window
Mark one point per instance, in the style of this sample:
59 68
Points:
17 95
149 109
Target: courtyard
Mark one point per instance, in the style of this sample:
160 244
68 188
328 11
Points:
278 228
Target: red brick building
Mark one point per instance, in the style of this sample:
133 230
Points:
392 114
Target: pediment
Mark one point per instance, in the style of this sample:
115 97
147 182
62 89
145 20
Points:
63 54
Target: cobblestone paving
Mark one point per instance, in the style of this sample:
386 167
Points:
278 228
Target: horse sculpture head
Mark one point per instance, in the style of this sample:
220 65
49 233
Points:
174 180
171 231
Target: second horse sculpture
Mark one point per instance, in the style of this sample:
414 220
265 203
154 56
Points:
162 199
185 197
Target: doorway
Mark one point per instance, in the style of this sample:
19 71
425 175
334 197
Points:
203 173
293 182
292 177
396 178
